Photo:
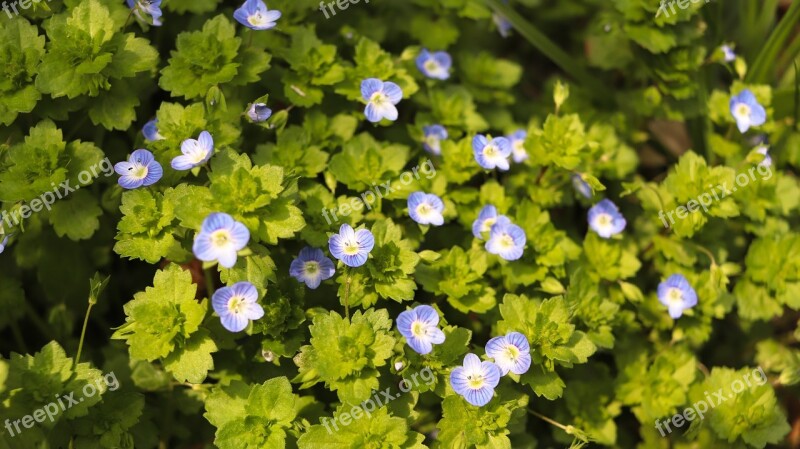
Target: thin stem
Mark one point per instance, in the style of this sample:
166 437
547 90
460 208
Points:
83 333
18 337
706 252
347 294
209 282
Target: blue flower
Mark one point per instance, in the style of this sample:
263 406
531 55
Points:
237 305
254 15
486 219
259 112
475 380
195 152
491 154
419 327
434 65
150 131
426 208
764 150
351 247
311 267
510 353
747 111
4 243
517 140
507 240
677 295
151 8
141 169
381 98
605 219
434 135
728 53
220 238
581 186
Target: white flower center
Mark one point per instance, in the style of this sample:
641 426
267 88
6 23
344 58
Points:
221 238
487 224
475 381
379 98
431 66
675 296
351 248
418 329
518 146
506 241
512 352
236 305
138 171
424 209
311 268
604 220
256 19
490 151
743 110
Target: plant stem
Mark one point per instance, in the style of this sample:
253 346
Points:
83 333
552 51
347 294
18 337
209 282
762 69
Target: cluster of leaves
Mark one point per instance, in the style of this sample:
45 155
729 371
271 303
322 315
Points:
81 77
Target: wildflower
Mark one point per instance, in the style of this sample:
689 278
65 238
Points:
150 131
517 140
237 305
503 25
351 247
426 208
677 295
311 267
151 8
581 186
747 111
507 240
764 150
381 98
254 15
259 112
727 53
434 135
491 154
141 169
434 65
419 327
605 219
510 353
486 218
195 152
220 238
475 380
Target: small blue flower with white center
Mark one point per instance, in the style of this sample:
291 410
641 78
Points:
517 140
434 65
764 150
220 238
503 25
141 169
311 267
150 131
605 219
747 111
259 112
426 208
254 15
506 240
486 219
510 353
151 8
381 98
581 186
419 327
237 305
727 53
351 247
195 152
475 380
677 295
434 135
491 154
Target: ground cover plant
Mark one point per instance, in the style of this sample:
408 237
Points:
399 224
